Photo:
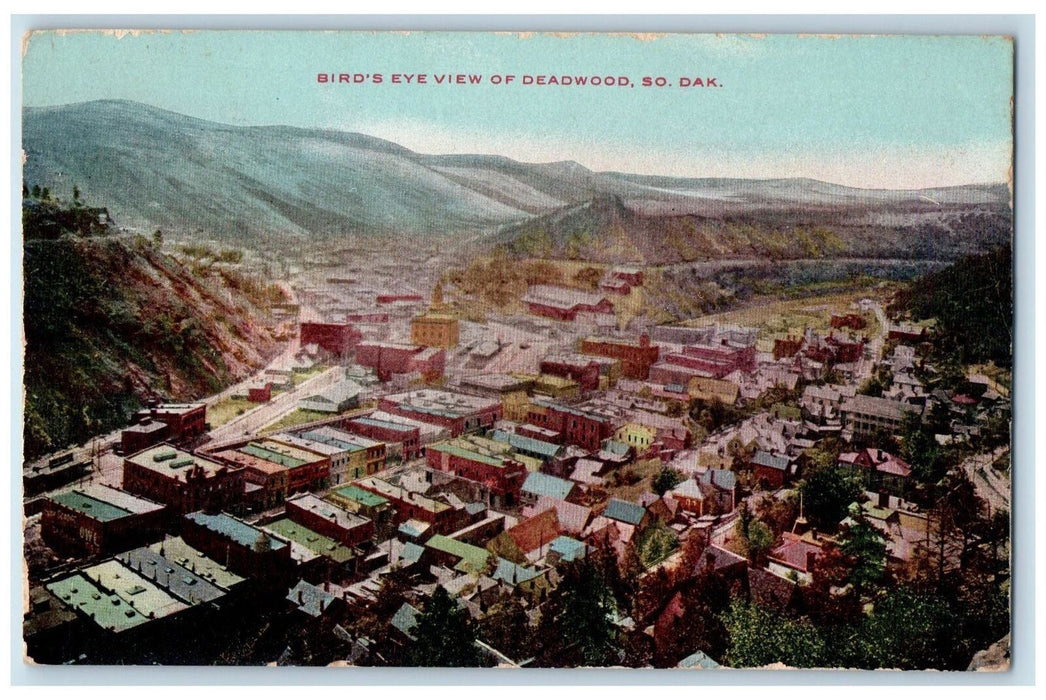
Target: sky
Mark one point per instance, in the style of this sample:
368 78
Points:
897 112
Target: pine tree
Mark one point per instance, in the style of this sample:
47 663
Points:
444 635
576 627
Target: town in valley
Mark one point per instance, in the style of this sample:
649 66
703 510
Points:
419 475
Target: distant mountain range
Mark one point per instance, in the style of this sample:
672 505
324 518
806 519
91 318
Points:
157 169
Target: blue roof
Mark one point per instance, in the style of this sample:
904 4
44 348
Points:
765 459
313 601
546 485
236 530
405 619
527 444
721 478
615 447
410 529
624 511
568 548
698 659
412 552
512 573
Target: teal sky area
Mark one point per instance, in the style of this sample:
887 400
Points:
883 111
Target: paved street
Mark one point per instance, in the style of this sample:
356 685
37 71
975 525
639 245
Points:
266 413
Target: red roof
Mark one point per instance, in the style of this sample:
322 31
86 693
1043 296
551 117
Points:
535 532
879 460
793 551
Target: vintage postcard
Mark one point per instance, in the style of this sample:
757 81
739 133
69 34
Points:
517 350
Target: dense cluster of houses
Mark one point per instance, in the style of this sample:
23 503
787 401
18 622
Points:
480 482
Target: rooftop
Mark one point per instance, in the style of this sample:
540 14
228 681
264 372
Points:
174 463
344 390
176 550
569 409
571 516
473 559
720 478
624 511
535 532
441 402
91 507
311 600
177 407
310 539
568 548
146 428
355 493
527 444
186 584
317 446
282 454
793 551
232 528
765 459
108 611
542 484
496 382
339 439
387 425
466 450
405 619
512 573
875 406
141 594
392 491
120 498
339 516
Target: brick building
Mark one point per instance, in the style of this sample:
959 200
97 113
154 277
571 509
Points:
329 520
632 274
434 330
578 369
184 420
243 548
854 321
398 298
281 470
635 357
400 438
787 347
771 470
183 481
388 359
512 391
411 505
145 434
97 519
564 303
340 455
577 427
361 456
500 474
458 413
336 338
